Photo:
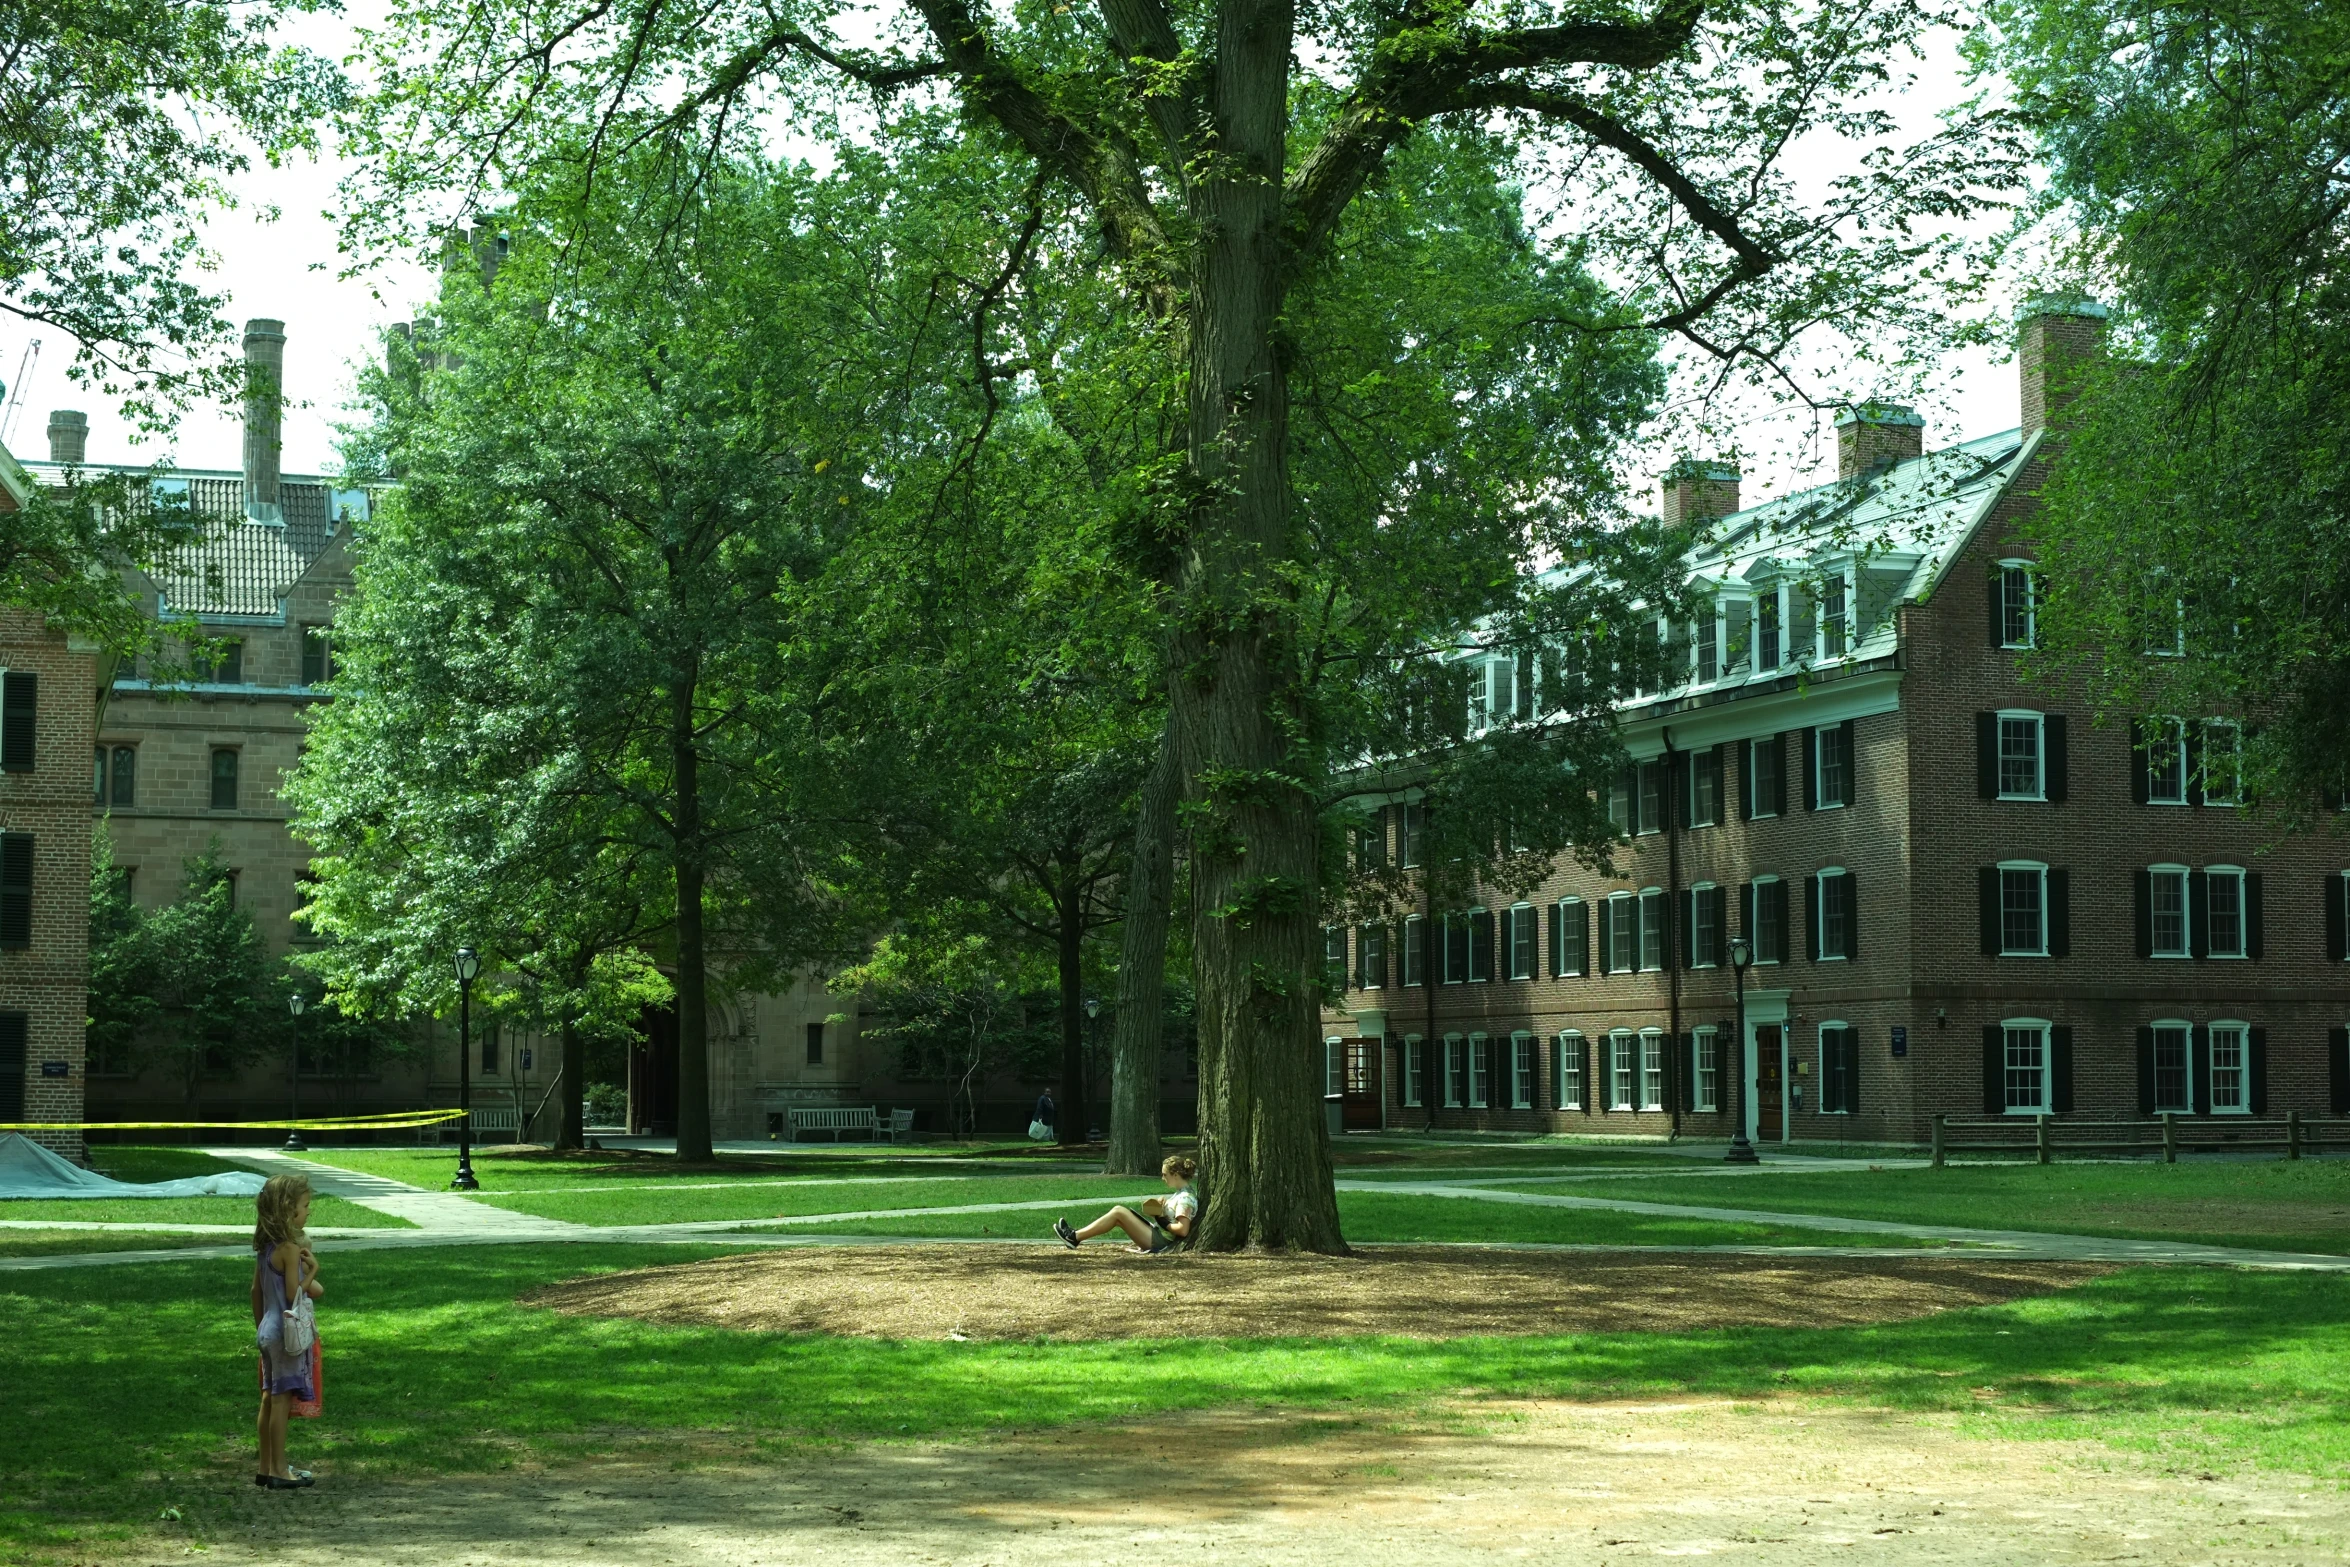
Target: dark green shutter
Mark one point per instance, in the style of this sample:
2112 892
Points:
2144 879
1851 728
2055 758
1987 755
2060 1068
15 1032
1998 598
1778 744
2338 1068
16 890
2145 1071
2194 734
1987 910
20 709
1994 1069
1851 915
1811 917
2141 763
1808 739
2199 914
2060 912
2337 917
2256 1064
1688 931
2199 1069
2254 939
1607 935
1582 937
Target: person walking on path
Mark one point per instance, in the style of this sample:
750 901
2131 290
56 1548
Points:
1163 1220
1044 1122
285 1281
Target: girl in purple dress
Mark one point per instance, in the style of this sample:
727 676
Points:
285 1271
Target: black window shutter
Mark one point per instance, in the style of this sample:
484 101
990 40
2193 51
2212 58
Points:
2199 914
2337 917
2060 1069
1851 727
2140 763
2258 1065
2054 756
1607 931
2144 879
1808 739
1851 915
16 889
2194 764
1746 912
1481 950
1555 915
20 707
1583 1069
1994 1069
2145 1071
1582 938
15 1031
1998 596
1688 931
2060 912
1987 907
1746 780
2199 1068
2253 936
1689 1072
1811 917
1987 755
1778 745
2338 1068
1851 1070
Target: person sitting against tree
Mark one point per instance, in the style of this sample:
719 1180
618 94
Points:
1163 1220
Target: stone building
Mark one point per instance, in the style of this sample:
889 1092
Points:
1964 896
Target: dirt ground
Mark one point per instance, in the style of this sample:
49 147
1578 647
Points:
1774 1485
990 1292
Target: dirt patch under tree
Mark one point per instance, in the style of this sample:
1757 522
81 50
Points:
1000 1292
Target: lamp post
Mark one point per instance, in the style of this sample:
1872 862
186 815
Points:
1741 1151
468 967
1093 1009
295 1004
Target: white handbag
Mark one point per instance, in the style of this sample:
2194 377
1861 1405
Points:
297 1329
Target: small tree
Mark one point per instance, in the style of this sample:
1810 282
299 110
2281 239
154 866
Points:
211 976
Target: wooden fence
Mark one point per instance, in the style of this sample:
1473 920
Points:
2047 1136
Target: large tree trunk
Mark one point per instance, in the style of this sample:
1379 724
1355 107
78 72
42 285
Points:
693 1009
1140 1022
1074 1111
1264 1150
572 1132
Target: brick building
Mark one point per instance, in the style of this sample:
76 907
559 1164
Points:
1964 897
48 690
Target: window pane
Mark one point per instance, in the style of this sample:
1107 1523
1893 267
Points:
1623 934
224 780
2019 912
2168 890
2019 758
1652 796
2227 1068
1766 631
1522 924
2015 591
1835 916
1770 940
1456 1073
1832 618
1709 649
1652 1071
98 777
1570 1071
1705 928
2025 1069
2170 1070
1621 1046
1413 1061
124 784
1708 1068
1835 767
2227 914
1415 948
2166 766
1762 760
1652 930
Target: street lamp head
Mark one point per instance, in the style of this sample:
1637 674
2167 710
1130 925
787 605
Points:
1093 1006
1741 952
297 1003
468 965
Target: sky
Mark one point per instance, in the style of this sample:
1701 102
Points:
289 268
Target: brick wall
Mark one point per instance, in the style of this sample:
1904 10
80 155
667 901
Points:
46 981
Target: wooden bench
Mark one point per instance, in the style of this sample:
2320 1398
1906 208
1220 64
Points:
836 1120
901 1126
489 1118
2162 1136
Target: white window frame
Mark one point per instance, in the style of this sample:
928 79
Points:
1523 913
1558 914
2213 730
1760 961
1333 1066
2176 746
2046 1067
1455 1084
2038 789
2211 880
1363 935
1755 810
1819 770
1566 1071
2243 1067
1705 1090
2186 1032
1652 1069
1415 1060
1700 956
2155 876
1525 1061
1775 596
1624 904
1480 1072
1690 774
2038 868
1664 916
2031 576
1410 827
1705 637
1821 878
1470 948
1414 957
1622 1068
1842 578
1444 941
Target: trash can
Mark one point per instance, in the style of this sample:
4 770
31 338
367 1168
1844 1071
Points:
1334 1109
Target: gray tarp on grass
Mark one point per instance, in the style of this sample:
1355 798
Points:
29 1170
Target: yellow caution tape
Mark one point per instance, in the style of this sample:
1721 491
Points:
389 1121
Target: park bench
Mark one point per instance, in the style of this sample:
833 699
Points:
835 1119
2162 1136
901 1126
485 1119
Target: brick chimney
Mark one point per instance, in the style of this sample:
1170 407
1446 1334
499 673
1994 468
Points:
1872 437
1695 491
2056 335
265 370
69 436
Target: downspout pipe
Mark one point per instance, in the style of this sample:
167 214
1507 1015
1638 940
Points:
1677 942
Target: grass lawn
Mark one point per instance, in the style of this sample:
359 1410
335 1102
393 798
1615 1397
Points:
1372 1216
431 1372
2286 1205
512 1170
151 1162
50 1243
676 1203
325 1211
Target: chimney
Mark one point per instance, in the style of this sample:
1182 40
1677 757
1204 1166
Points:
1872 437
265 370
2056 336
69 436
1695 491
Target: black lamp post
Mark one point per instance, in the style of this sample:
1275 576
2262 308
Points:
1093 1009
468 968
1741 1151
294 1004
